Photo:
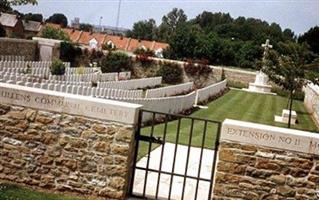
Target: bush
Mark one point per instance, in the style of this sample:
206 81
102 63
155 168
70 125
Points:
57 67
236 84
116 62
197 69
298 95
69 53
52 33
171 73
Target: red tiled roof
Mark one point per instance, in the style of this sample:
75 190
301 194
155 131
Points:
86 37
119 42
134 44
73 34
160 45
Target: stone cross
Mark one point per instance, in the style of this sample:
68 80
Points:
266 47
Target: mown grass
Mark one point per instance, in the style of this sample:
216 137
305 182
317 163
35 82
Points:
13 192
236 104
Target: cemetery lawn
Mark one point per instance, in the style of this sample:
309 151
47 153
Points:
13 192
238 105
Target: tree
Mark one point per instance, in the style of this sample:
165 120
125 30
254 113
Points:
145 30
33 17
58 18
86 27
52 33
312 38
170 22
6 5
2 31
291 72
116 62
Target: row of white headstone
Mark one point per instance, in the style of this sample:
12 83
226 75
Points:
29 64
39 72
106 93
205 93
132 84
169 90
11 58
178 104
18 77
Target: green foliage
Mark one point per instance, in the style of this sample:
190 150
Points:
33 17
14 192
145 30
69 53
312 38
52 33
2 31
57 67
199 69
170 22
171 73
116 62
298 94
58 18
86 27
236 84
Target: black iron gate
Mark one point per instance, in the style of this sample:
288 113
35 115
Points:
175 157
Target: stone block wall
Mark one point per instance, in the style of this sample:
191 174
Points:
255 172
64 152
19 47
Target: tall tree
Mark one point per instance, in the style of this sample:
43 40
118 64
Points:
6 5
170 22
33 17
58 18
291 72
86 27
312 38
144 30
52 33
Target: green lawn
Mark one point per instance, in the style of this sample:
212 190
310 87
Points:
12 192
236 104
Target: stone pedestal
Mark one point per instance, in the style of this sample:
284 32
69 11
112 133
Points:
49 49
284 118
260 85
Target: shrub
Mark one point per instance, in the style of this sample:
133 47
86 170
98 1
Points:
197 69
116 62
236 84
171 73
2 31
52 33
143 56
298 95
57 67
69 53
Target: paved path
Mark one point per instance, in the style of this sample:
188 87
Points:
179 169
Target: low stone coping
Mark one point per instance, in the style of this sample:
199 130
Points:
68 103
260 85
270 136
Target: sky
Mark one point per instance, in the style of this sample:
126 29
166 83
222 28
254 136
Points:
298 15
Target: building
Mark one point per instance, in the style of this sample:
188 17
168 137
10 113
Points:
12 24
31 28
75 23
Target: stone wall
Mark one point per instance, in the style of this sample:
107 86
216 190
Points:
235 75
311 101
65 142
64 152
19 47
253 172
264 162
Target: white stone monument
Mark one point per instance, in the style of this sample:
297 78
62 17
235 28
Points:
261 82
48 48
284 118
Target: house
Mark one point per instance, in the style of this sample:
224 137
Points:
12 24
31 28
92 40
